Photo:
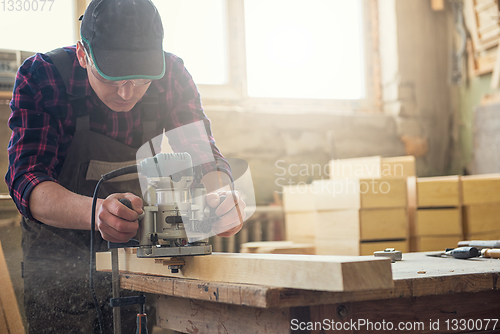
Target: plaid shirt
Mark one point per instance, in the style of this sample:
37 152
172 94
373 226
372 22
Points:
43 121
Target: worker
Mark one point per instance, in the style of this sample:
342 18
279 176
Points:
121 89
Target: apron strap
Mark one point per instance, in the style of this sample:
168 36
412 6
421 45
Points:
150 124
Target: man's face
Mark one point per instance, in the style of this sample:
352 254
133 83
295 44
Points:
117 98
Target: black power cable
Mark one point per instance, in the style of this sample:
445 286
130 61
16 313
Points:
119 172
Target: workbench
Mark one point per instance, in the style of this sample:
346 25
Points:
430 295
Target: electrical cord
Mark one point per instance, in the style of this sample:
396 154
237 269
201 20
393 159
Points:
119 172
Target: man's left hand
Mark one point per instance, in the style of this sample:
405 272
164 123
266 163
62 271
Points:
231 212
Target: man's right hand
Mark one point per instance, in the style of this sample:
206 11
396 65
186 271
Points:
116 222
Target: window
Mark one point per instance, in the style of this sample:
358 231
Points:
305 49
37 25
195 30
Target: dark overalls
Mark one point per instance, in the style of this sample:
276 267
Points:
56 261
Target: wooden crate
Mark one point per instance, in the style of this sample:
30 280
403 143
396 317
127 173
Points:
435 242
356 247
347 193
300 227
373 167
435 222
480 189
353 228
481 218
278 247
492 235
300 213
442 191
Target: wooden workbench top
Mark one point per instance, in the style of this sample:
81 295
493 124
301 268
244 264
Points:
417 275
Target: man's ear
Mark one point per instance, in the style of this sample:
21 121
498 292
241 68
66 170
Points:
80 54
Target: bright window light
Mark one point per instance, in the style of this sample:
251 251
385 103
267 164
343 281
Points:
305 49
37 25
195 30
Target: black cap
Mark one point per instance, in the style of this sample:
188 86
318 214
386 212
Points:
125 39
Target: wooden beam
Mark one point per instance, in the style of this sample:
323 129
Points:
310 272
480 189
437 4
441 191
441 277
8 299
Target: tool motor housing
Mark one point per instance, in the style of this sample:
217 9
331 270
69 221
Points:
175 223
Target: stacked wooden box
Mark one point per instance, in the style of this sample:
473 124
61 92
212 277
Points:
361 209
481 206
300 214
437 224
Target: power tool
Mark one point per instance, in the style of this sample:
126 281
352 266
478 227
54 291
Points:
177 221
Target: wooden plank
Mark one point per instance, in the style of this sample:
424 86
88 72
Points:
194 316
434 242
435 222
364 167
365 224
481 218
300 227
421 312
480 189
385 193
8 299
437 5
277 247
438 191
492 235
373 167
417 275
3 321
368 248
495 76
344 273
356 247
341 194
376 224
298 198
403 166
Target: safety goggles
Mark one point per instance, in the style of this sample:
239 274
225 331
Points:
118 83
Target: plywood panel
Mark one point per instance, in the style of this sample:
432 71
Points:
438 191
311 272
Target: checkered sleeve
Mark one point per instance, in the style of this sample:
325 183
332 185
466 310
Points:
33 145
188 128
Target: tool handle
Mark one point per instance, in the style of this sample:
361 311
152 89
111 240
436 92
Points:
464 252
131 242
492 253
480 243
142 324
